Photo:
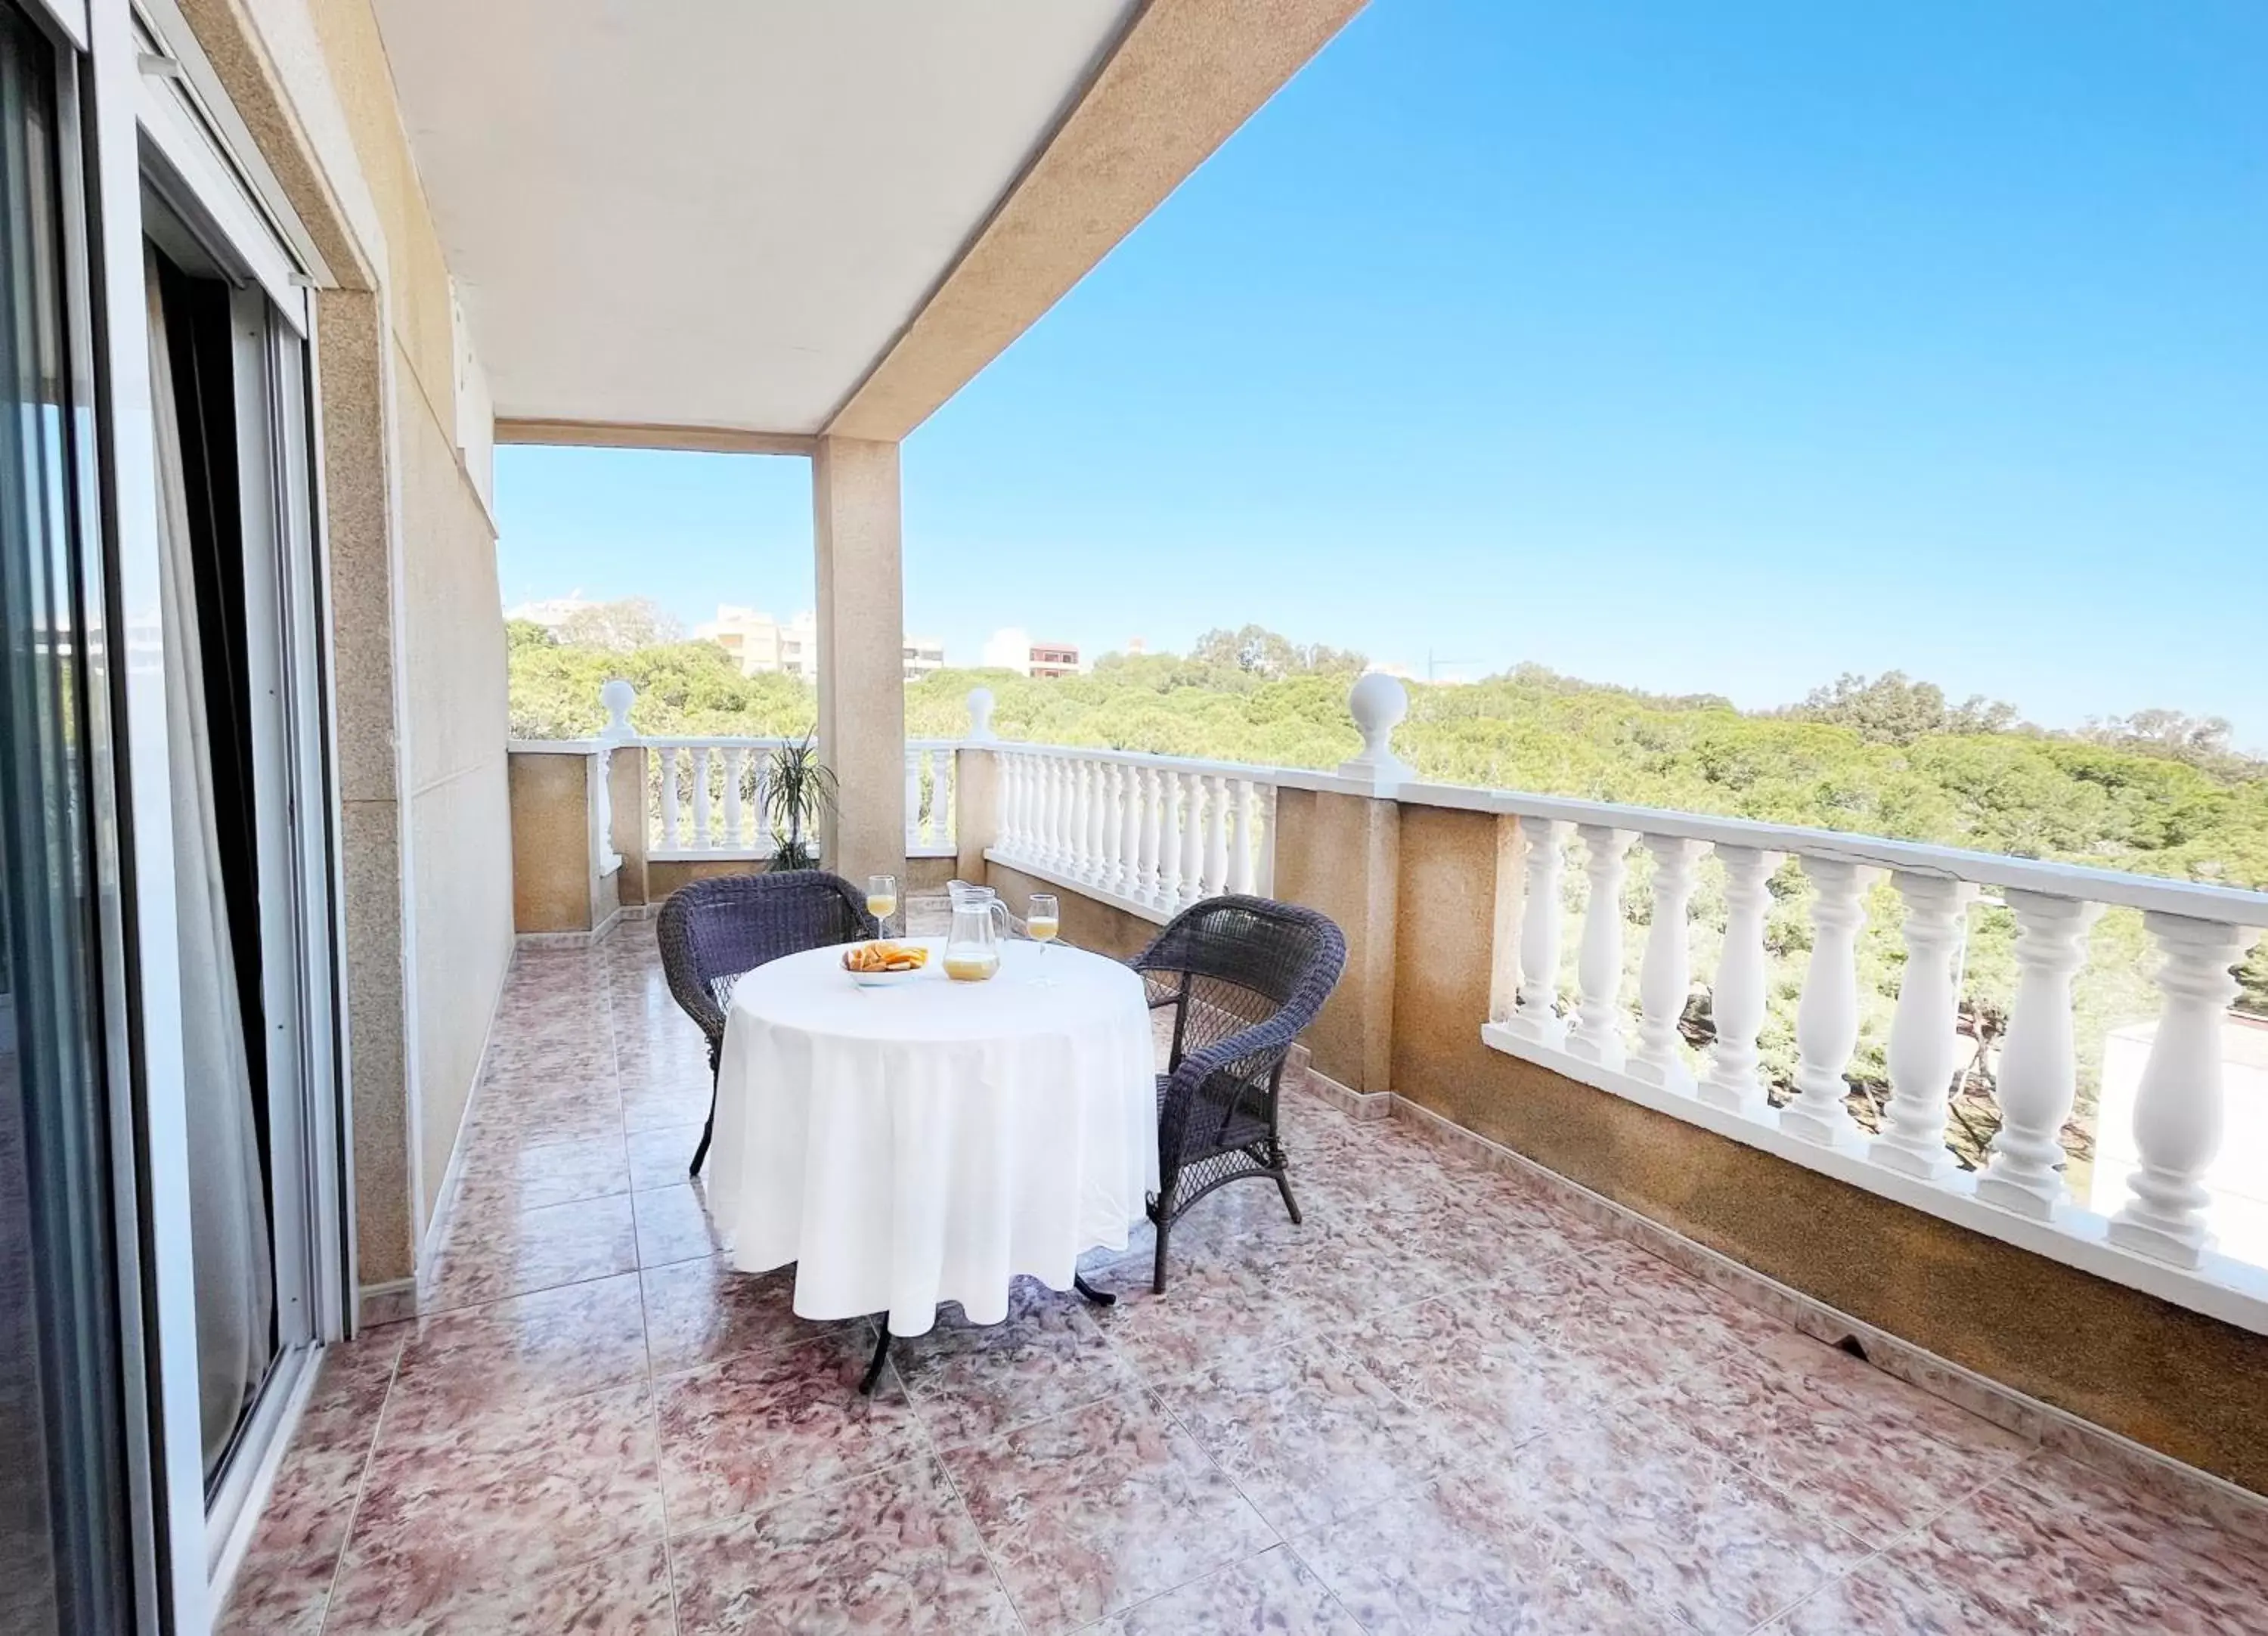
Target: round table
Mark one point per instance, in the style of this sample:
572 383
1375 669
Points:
929 1141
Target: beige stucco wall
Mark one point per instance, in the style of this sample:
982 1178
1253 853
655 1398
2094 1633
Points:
418 660
1341 854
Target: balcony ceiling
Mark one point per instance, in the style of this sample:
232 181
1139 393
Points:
718 213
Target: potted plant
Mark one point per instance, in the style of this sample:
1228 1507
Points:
798 794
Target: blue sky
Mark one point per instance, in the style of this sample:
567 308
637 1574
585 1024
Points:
1697 348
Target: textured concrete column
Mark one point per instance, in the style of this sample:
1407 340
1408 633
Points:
626 788
1341 854
862 696
976 796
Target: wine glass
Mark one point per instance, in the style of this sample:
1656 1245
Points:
882 899
1043 920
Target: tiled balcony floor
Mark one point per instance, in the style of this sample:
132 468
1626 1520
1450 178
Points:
1444 1404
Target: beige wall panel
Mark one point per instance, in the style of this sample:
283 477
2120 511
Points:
2190 1386
553 887
1340 854
370 854
458 840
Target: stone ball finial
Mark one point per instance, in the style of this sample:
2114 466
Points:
980 713
618 696
1378 703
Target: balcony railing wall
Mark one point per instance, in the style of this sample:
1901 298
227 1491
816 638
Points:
1150 835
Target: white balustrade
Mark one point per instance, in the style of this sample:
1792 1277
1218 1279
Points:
1735 1081
2038 1076
1666 976
706 797
1923 1043
1146 832
2177 1106
1535 1017
1827 1016
1596 1036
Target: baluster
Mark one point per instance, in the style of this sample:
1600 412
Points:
665 758
1009 769
1130 833
1827 1016
1051 846
2178 1107
1153 838
761 801
1027 808
1536 1019
1239 837
1216 866
1066 815
1113 878
1170 814
1735 1081
1264 879
1597 1034
1193 847
700 796
736 762
913 798
2038 1076
945 814
1098 821
1923 1043
1665 978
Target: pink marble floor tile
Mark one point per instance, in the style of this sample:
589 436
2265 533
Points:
350 1387
1640 1335
970 1382
1309 1435
504 1182
486 1260
673 1225
758 1426
1269 1594
699 1311
282 1587
528 1349
1870 1454
1098 1509
1213 1310
518 1493
660 1158
625 1594
1471 1557
892 1552
1483 1377
654 1107
508 1117
1684 1526
1879 1599
2054 1540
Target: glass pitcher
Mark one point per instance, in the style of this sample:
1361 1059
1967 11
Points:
980 924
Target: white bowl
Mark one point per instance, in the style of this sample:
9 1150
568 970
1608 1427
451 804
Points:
883 979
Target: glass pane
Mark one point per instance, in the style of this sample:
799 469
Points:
60 1529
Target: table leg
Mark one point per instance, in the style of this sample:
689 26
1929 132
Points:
881 1356
1100 1297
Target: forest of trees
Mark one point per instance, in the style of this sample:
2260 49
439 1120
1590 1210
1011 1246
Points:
2157 793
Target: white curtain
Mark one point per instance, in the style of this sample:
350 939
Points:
228 1216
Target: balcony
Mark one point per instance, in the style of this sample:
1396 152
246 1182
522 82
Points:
1554 1380
1462 1397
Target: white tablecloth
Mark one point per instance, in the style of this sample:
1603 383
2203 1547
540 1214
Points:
927 1142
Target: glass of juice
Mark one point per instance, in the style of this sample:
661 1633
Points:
882 898
1043 920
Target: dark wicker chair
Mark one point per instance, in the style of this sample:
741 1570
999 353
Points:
1243 977
712 931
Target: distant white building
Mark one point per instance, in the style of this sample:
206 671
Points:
924 654
762 645
1011 648
551 612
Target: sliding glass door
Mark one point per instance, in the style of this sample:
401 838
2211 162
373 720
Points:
64 1552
